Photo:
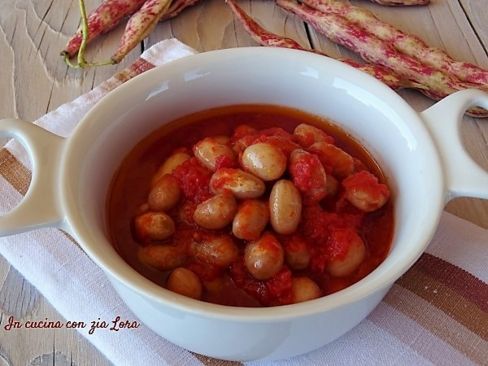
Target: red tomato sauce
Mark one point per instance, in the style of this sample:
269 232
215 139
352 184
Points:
194 180
320 225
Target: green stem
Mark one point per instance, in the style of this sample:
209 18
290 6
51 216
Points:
82 62
84 34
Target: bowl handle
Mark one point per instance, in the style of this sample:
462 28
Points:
41 204
463 176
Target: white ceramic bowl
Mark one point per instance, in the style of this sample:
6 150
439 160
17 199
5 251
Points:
421 154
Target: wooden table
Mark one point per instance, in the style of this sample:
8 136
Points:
34 80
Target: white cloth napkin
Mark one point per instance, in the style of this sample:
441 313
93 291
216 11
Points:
395 333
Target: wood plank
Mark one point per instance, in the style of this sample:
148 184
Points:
37 34
17 296
197 27
477 13
7 96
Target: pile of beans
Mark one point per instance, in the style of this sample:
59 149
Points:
270 213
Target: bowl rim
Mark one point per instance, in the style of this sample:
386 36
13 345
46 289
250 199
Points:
144 287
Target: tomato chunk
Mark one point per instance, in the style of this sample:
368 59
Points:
308 175
275 291
280 288
346 251
194 180
364 191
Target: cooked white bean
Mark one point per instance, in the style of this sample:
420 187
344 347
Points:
331 185
365 192
304 289
308 134
185 282
250 220
219 250
222 139
142 209
355 252
170 165
308 175
264 257
154 226
241 184
209 150
264 160
162 257
297 253
243 130
216 212
186 211
285 207
164 194
341 163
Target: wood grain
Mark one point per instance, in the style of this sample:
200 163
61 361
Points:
4 359
34 80
196 28
54 358
17 296
477 14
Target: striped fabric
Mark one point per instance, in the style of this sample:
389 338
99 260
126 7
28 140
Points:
437 313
